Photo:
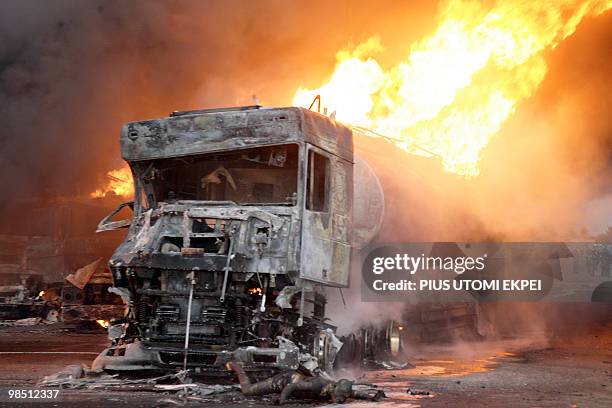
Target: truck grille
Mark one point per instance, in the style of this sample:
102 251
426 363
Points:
168 312
214 314
176 358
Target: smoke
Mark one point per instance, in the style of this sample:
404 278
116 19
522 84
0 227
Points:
71 73
548 170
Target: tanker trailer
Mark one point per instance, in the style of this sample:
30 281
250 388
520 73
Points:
401 197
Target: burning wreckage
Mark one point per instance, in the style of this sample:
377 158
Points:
41 262
242 219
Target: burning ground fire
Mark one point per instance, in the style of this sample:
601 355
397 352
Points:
103 323
255 291
455 89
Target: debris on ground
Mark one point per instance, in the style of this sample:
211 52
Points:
387 365
395 365
30 321
417 392
82 276
179 384
52 318
195 389
169 402
81 377
179 388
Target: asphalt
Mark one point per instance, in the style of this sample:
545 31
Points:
573 370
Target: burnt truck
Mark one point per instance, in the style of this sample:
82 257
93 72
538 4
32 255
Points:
241 220
245 221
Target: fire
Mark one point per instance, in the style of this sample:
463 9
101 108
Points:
456 88
119 182
103 323
255 291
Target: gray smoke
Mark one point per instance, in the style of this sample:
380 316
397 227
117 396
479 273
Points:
72 72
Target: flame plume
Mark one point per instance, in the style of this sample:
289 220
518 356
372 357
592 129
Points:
455 89
103 323
119 182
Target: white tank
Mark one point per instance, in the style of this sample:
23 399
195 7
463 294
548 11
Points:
368 204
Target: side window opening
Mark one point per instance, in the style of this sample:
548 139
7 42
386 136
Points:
318 182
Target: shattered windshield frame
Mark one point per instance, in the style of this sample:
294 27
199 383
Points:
263 175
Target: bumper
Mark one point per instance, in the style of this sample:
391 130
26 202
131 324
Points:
137 356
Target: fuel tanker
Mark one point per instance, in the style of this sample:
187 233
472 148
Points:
245 221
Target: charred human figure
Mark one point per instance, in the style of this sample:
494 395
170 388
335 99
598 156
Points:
294 384
272 385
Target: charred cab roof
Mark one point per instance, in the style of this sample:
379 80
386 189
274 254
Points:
210 130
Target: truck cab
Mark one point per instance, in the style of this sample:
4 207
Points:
241 220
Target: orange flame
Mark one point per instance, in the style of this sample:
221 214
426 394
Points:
103 323
255 291
455 89
119 182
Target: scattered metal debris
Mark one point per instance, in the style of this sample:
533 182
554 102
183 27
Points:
49 240
78 376
196 389
178 384
417 392
395 365
30 321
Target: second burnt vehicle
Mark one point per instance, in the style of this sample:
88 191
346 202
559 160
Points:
241 221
